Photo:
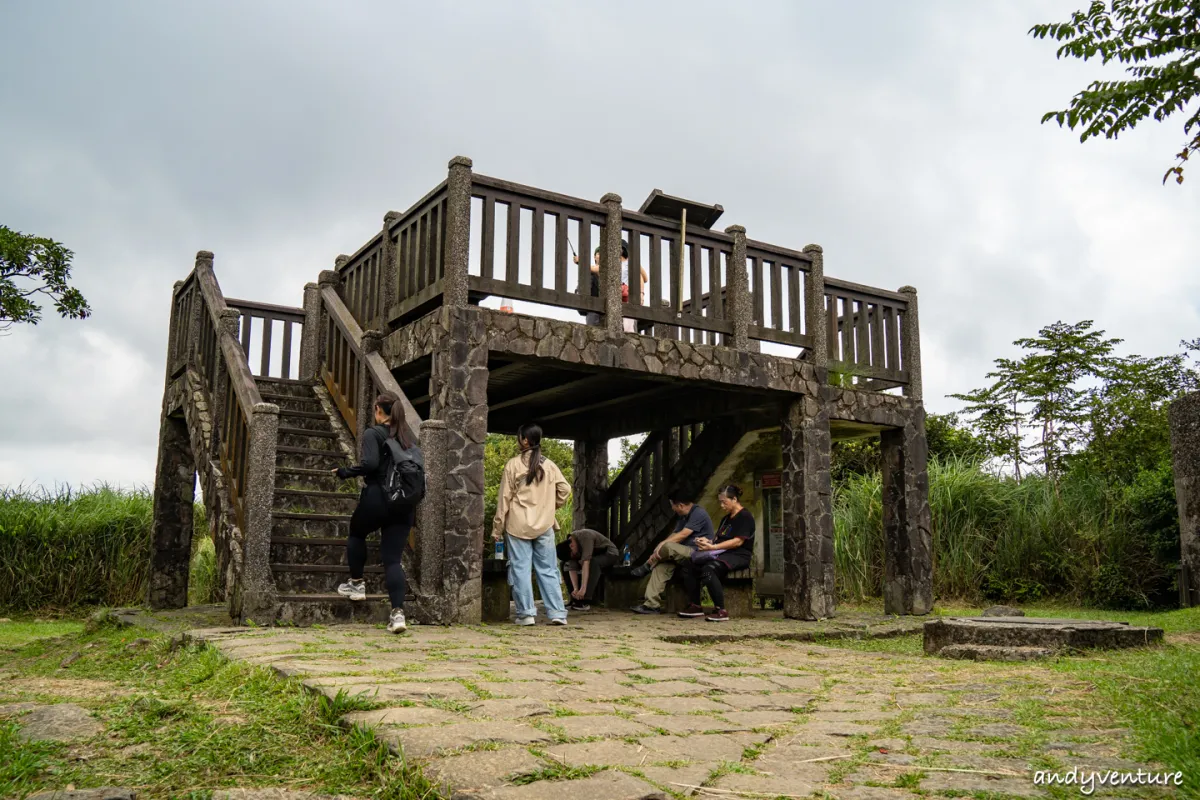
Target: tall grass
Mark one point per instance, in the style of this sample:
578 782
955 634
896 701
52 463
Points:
73 547
997 539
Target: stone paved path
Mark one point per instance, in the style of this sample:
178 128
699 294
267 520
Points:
606 709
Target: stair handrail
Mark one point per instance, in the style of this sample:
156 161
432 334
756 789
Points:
244 433
660 480
344 330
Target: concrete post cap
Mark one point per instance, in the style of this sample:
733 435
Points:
813 248
340 260
328 277
733 230
310 286
391 216
611 197
230 313
461 161
204 255
266 408
907 290
433 424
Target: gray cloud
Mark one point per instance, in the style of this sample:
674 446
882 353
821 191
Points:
903 138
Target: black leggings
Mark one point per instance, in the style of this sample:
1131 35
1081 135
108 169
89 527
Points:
708 573
372 514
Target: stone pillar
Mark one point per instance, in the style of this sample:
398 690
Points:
610 265
257 593
174 499
312 333
814 311
1184 418
327 279
737 292
907 521
910 345
372 342
389 272
591 481
458 232
807 498
458 397
428 549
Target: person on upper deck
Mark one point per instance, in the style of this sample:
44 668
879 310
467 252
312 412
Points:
628 323
732 550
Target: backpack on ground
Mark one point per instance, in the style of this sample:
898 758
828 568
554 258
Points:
404 481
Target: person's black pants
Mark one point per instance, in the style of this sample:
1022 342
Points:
600 562
372 514
707 574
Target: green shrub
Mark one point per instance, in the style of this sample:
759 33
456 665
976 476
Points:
73 547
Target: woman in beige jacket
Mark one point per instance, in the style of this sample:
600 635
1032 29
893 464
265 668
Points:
532 488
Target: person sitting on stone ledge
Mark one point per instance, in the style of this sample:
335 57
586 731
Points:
732 550
585 555
694 523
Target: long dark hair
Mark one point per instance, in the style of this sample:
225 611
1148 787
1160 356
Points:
389 404
533 435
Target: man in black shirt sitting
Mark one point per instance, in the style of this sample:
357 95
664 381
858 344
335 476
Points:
694 524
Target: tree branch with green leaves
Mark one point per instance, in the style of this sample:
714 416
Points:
33 267
1159 41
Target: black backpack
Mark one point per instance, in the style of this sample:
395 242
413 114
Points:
404 481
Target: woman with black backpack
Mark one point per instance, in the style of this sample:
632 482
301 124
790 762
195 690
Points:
375 512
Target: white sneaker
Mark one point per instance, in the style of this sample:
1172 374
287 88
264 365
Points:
396 623
354 589
526 621
558 621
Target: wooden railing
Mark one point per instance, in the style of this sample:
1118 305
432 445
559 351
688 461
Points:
864 333
520 243
291 323
646 478
352 374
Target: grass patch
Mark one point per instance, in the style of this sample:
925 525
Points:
191 721
17 634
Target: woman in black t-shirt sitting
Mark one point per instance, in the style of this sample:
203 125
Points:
732 550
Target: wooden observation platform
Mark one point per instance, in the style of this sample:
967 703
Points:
729 336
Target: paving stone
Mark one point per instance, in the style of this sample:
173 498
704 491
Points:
684 724
274 794
64 722
683 705
607 785
743 685
925 728
605 753
766 785
427 741
391 692
830 728
998 731
801 684
667 688
868 793
671 661
516 708
679 779
702 747
781 701
762 719
853 716
930 744
614 664
104 793
967 783
583 727
601 707
410 715
911 699
471 773
669 673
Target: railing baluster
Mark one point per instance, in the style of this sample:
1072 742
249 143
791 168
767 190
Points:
512 264
536 247
267 324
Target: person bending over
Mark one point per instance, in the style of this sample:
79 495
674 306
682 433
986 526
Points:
586 554
693 523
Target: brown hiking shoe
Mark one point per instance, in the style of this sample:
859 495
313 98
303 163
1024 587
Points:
692 610
718 615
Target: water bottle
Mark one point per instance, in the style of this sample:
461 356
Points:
625 559
499 552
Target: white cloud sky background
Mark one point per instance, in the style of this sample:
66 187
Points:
904 138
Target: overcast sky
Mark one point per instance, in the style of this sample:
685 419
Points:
902 137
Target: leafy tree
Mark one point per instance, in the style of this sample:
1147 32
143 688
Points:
997 415
945 436
629 446
32 266
1159 42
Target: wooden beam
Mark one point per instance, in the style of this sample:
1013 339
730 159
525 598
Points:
611 402
550 392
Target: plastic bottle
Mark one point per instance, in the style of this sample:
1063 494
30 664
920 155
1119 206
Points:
499 552
625 559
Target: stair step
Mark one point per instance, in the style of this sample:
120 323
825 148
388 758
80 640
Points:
333 598
307 432
310 516
304 414
315 492
337 569
315 540
308 451
312 473
272 397
284 381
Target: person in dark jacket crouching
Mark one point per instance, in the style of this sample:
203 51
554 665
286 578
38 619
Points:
730 551
373 511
